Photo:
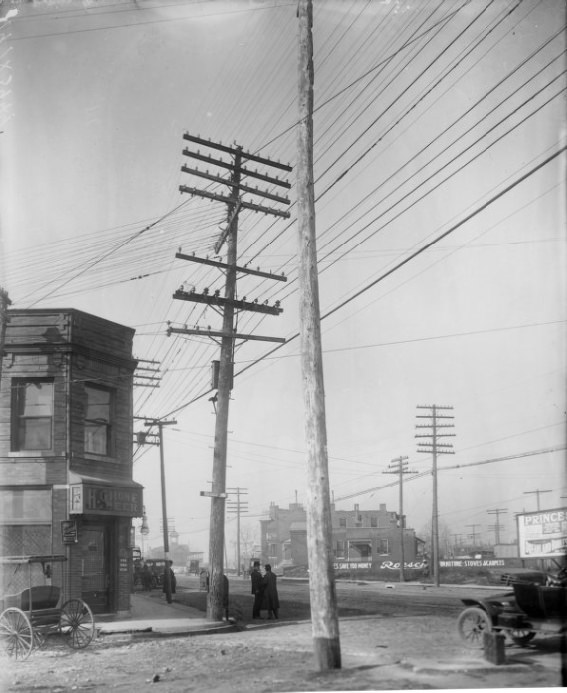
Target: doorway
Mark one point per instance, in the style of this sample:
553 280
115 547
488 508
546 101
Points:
96 567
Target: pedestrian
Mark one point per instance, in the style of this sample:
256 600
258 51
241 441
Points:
172 578
257 589
271 592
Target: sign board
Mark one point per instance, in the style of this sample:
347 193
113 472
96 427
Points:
543 534
105 500
69 531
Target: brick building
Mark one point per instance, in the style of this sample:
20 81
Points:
66 451
364 539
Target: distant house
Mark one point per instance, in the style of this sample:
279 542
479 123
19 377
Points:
368 539
66 436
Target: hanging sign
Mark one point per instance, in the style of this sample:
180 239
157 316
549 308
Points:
69 531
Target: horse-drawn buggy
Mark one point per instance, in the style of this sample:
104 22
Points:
31 614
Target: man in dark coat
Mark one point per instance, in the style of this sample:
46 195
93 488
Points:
271 592
257 589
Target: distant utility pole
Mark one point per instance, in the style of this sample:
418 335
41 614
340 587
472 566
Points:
239 507
435 448
496 527
399 466
158 440
472 536
537 492
233 160
324 614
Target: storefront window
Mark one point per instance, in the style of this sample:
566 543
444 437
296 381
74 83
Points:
32 414
98 413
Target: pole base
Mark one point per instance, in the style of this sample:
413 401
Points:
327 653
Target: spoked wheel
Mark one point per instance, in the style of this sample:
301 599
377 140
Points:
76 622
472 624
16 633
521 636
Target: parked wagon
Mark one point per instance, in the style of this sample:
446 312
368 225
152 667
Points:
32 614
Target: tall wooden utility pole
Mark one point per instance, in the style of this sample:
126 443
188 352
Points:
435 448
235 162
322 592
160 423
399 466
537 493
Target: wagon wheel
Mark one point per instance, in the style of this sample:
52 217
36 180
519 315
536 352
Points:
472 624
16 633
521 636
76 621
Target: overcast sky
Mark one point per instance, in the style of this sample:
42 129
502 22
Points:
431 116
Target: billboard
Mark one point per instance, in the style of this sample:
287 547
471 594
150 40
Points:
543 534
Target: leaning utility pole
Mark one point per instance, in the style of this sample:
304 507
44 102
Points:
239 507
234 161
435 448
399 466
322 591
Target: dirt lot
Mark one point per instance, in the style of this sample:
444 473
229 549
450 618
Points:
378 653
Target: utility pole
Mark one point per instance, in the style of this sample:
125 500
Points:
537 492
399 467
496 527
158 440
473 533
237 507
324 615
435 448
233 159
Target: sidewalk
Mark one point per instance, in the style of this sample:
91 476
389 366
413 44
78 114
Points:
152 614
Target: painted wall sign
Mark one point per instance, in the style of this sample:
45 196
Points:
472 563
543 534
105 500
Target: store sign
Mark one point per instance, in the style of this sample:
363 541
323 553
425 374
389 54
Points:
543 534
105 500
69 531
474 563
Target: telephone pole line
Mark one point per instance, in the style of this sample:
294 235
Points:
158 440
234 160
239 507
496 527
322 590
399 466
435 448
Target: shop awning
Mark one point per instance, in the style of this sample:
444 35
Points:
89 495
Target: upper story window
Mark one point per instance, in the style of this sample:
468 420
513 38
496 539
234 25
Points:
32 414
373 521
342 521
98 415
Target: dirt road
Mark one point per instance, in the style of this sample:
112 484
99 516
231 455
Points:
378 653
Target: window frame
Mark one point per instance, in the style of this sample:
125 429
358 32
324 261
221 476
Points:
18 441
108 425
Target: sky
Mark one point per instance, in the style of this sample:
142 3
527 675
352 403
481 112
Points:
432 118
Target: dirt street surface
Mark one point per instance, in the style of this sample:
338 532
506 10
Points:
378 653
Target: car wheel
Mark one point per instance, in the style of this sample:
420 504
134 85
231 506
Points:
472 623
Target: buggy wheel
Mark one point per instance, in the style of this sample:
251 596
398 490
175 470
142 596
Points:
521 636
16 633
76 622
472 624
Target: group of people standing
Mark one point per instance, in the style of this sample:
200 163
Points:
265 591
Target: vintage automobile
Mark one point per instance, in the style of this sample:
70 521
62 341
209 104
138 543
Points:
531 608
